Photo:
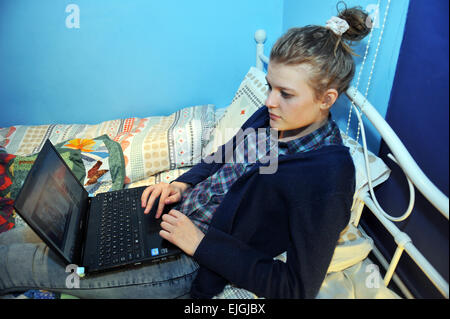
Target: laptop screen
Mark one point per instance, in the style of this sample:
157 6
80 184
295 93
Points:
52 202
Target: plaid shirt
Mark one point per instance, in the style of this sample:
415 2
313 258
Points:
201 201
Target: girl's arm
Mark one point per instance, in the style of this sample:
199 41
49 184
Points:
211 163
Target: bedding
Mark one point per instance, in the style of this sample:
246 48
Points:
150 145
143 146
97 163
161 148
6 180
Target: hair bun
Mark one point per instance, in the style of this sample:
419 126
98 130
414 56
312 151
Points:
359 23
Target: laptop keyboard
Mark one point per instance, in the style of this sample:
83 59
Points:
119 236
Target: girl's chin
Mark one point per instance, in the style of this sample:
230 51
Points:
275 123
276 126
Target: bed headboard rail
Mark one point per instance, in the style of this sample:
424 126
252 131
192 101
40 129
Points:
260 38
402 157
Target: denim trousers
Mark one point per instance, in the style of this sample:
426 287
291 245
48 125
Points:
27 263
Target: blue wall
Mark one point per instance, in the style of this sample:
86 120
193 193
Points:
148 57
318 12
128 58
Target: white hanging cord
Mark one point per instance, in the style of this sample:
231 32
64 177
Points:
365 150
359 76
373 64
369 178
376 51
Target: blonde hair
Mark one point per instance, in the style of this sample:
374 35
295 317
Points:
328 54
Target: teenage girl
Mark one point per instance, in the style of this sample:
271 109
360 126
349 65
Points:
229 219
233 220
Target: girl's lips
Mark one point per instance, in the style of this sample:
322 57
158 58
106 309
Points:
273 117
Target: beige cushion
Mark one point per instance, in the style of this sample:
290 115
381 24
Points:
250 96
160 143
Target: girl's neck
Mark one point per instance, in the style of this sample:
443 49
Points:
289 135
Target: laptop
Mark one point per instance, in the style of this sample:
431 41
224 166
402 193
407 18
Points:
99 233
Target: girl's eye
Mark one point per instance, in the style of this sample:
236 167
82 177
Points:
285 95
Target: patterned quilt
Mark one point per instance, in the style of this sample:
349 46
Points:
150 145
109 155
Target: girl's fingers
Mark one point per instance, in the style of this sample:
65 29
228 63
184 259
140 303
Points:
166 235
155 194
162 202
175 213
145 194
167 227
174 198
170 218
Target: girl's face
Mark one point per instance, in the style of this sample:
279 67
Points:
293 109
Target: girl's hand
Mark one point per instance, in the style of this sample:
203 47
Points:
178 229
167 193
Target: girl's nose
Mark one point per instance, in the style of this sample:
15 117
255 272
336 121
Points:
271 100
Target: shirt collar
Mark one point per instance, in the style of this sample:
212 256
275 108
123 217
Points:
327 134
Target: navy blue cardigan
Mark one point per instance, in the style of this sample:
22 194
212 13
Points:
301 209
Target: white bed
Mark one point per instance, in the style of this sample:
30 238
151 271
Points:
374 175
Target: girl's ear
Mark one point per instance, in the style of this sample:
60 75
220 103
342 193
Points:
329 98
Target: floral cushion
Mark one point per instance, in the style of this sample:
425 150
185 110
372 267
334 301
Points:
97 163
99 160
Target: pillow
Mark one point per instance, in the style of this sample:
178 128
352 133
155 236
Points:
97 163
160 143
150 145
23 140
250 96
379 172
352 247
352 283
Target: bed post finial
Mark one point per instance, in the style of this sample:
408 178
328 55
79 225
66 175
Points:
260 38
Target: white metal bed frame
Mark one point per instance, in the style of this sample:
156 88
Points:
414 175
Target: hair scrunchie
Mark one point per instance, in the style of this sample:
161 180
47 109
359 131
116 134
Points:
337 25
